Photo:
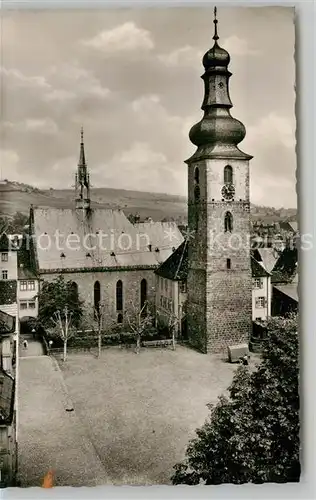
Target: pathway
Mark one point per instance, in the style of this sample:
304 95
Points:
49 436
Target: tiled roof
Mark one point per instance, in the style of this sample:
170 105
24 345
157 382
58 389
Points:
176 266
7 323
4 242
25 270
289 290
6 398
285 268
104 239
257 269
268 257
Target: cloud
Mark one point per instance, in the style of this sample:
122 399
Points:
273 129
38 125
69 81
183 56
8 158
59 95
237 46
124 38
22 80
141 168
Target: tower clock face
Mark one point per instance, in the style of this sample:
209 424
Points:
228 191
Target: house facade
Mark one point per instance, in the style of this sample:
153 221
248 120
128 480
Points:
8 276
261 292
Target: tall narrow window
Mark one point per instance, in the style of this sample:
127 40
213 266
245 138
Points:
197 175
96 296
228 264
228 175
120 318
119 296
228 222
197 194
143 293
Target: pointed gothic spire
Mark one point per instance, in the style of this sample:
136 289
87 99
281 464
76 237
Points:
82 159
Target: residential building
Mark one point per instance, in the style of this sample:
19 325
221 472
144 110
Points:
8 447
8 276
171 291
261 292
284 282
28 284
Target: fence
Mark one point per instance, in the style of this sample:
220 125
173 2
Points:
58 351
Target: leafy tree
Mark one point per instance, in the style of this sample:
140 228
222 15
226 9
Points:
252 435
60 309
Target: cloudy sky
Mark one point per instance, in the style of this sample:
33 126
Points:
131 77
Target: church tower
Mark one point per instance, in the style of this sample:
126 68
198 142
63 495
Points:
219 269
82 184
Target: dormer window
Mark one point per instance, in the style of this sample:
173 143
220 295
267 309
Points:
62 255
112 254
88 254
156 249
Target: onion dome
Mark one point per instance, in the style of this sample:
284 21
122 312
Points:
218 133
216 56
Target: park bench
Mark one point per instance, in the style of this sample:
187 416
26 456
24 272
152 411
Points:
157 343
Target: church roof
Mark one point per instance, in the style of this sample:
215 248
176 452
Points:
176 266
66 239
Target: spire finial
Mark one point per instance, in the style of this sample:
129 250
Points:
81 135
215 37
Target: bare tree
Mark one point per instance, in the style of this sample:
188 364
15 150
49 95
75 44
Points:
172 325
64 328
139 321
104 319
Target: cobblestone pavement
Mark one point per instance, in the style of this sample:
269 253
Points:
49 436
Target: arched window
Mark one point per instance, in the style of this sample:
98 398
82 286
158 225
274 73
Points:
119 296
197 175
143 293
228 264
197 194
228 175
96 295
228 222
120 318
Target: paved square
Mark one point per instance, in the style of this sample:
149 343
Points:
139 411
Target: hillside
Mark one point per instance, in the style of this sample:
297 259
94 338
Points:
15 197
